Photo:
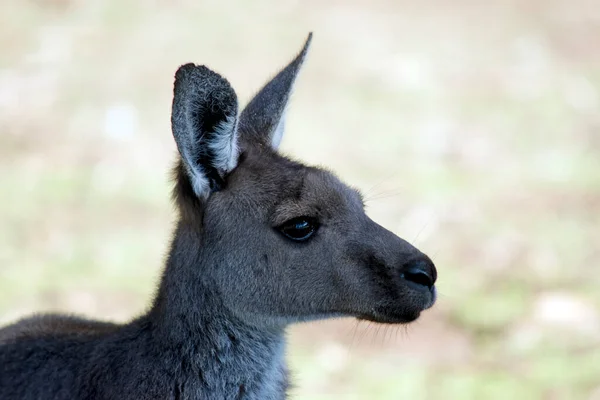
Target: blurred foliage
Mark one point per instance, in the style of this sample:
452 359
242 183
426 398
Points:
472 128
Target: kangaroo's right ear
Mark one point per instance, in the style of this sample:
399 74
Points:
204 121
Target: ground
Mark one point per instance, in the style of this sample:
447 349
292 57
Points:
472 128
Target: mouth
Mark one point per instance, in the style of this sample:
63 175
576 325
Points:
407 312
389 319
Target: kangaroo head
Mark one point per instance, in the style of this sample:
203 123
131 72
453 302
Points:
280 241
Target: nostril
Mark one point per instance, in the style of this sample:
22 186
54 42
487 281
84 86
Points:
418 275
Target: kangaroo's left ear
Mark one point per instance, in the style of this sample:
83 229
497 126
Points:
263 118
204 121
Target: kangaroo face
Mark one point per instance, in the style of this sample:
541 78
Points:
288 242
308 250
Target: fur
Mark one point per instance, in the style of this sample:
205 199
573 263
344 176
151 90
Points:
233 281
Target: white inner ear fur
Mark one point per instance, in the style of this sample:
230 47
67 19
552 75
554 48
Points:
224 147
199 182
277 134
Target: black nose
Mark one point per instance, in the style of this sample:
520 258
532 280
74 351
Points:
420 272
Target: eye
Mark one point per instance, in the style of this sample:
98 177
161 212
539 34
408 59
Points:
299 229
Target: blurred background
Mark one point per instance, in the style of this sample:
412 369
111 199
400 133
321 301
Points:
473 128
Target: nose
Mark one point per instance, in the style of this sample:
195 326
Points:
420 273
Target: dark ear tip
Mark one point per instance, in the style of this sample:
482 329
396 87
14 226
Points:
199 75
193 71
184 71
306 45
203 84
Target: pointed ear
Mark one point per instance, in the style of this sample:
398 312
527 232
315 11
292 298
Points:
204 123
263 118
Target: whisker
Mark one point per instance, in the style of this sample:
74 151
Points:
380 182
354 330
390 331
364 331
383 195
443 295
374 339
416 238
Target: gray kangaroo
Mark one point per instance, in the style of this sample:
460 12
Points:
261 242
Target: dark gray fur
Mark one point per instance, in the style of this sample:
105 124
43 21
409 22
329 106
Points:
264 114
232 282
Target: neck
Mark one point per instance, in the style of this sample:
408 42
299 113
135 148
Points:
219 350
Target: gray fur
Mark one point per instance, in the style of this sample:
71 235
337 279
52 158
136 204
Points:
204 122
264 116
232 282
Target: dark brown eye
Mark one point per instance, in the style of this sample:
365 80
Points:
299 229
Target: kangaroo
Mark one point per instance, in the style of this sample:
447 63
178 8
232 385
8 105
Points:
261 242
